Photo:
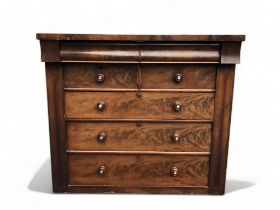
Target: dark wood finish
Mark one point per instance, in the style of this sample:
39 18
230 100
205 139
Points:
206 53
194 137
230 52
140 113
149 106
88 51
221 128
163 53
140 38
50 51
141 190
120 152
117 76
120 52
155 76
136 120
139 90
138 170
54 75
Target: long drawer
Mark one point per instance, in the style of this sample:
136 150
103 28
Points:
152 76
138 170
129 136
147 105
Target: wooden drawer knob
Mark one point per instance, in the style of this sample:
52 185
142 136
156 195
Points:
100 78
174 171
175 138
177 107
101 170
100 106
178 78
101 137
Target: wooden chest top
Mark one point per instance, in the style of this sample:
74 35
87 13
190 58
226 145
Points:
139 113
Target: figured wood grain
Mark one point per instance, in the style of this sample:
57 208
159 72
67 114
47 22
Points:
161 76
194 137
133 170
128 52
137 189
88 51
149 106
54 76
139 38
221 128
117 76
139 121
180 53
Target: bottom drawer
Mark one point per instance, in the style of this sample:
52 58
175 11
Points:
138 170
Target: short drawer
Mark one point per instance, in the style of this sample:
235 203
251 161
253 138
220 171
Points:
168 137
88 75
178 76
149 105
138 170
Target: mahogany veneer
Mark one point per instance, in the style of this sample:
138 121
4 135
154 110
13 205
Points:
139 113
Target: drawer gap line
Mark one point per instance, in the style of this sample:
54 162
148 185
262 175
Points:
136 120
138 152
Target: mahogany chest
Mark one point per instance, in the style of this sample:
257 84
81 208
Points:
139 113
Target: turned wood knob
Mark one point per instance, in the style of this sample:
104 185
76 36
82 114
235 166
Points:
101 106
101 137
174 171
178 78
100 78
101 170
175 138
177 107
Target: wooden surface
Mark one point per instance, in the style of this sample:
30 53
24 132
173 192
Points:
207 53
138 189
194 137
86 51
161 76
149 106
230 52
50 50
139 92
54 75
138 170
111 37
117 76
119 52
221 128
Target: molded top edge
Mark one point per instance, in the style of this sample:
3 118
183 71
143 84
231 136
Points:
140 38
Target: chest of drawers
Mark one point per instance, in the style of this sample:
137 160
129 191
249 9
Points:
139 113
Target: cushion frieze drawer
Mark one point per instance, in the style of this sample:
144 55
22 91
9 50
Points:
138 170
129 136
151 105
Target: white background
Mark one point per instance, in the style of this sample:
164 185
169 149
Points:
253 166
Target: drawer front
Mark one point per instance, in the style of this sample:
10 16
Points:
178 76
206 53
128 52
169 137
138 170
85 75
150 105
